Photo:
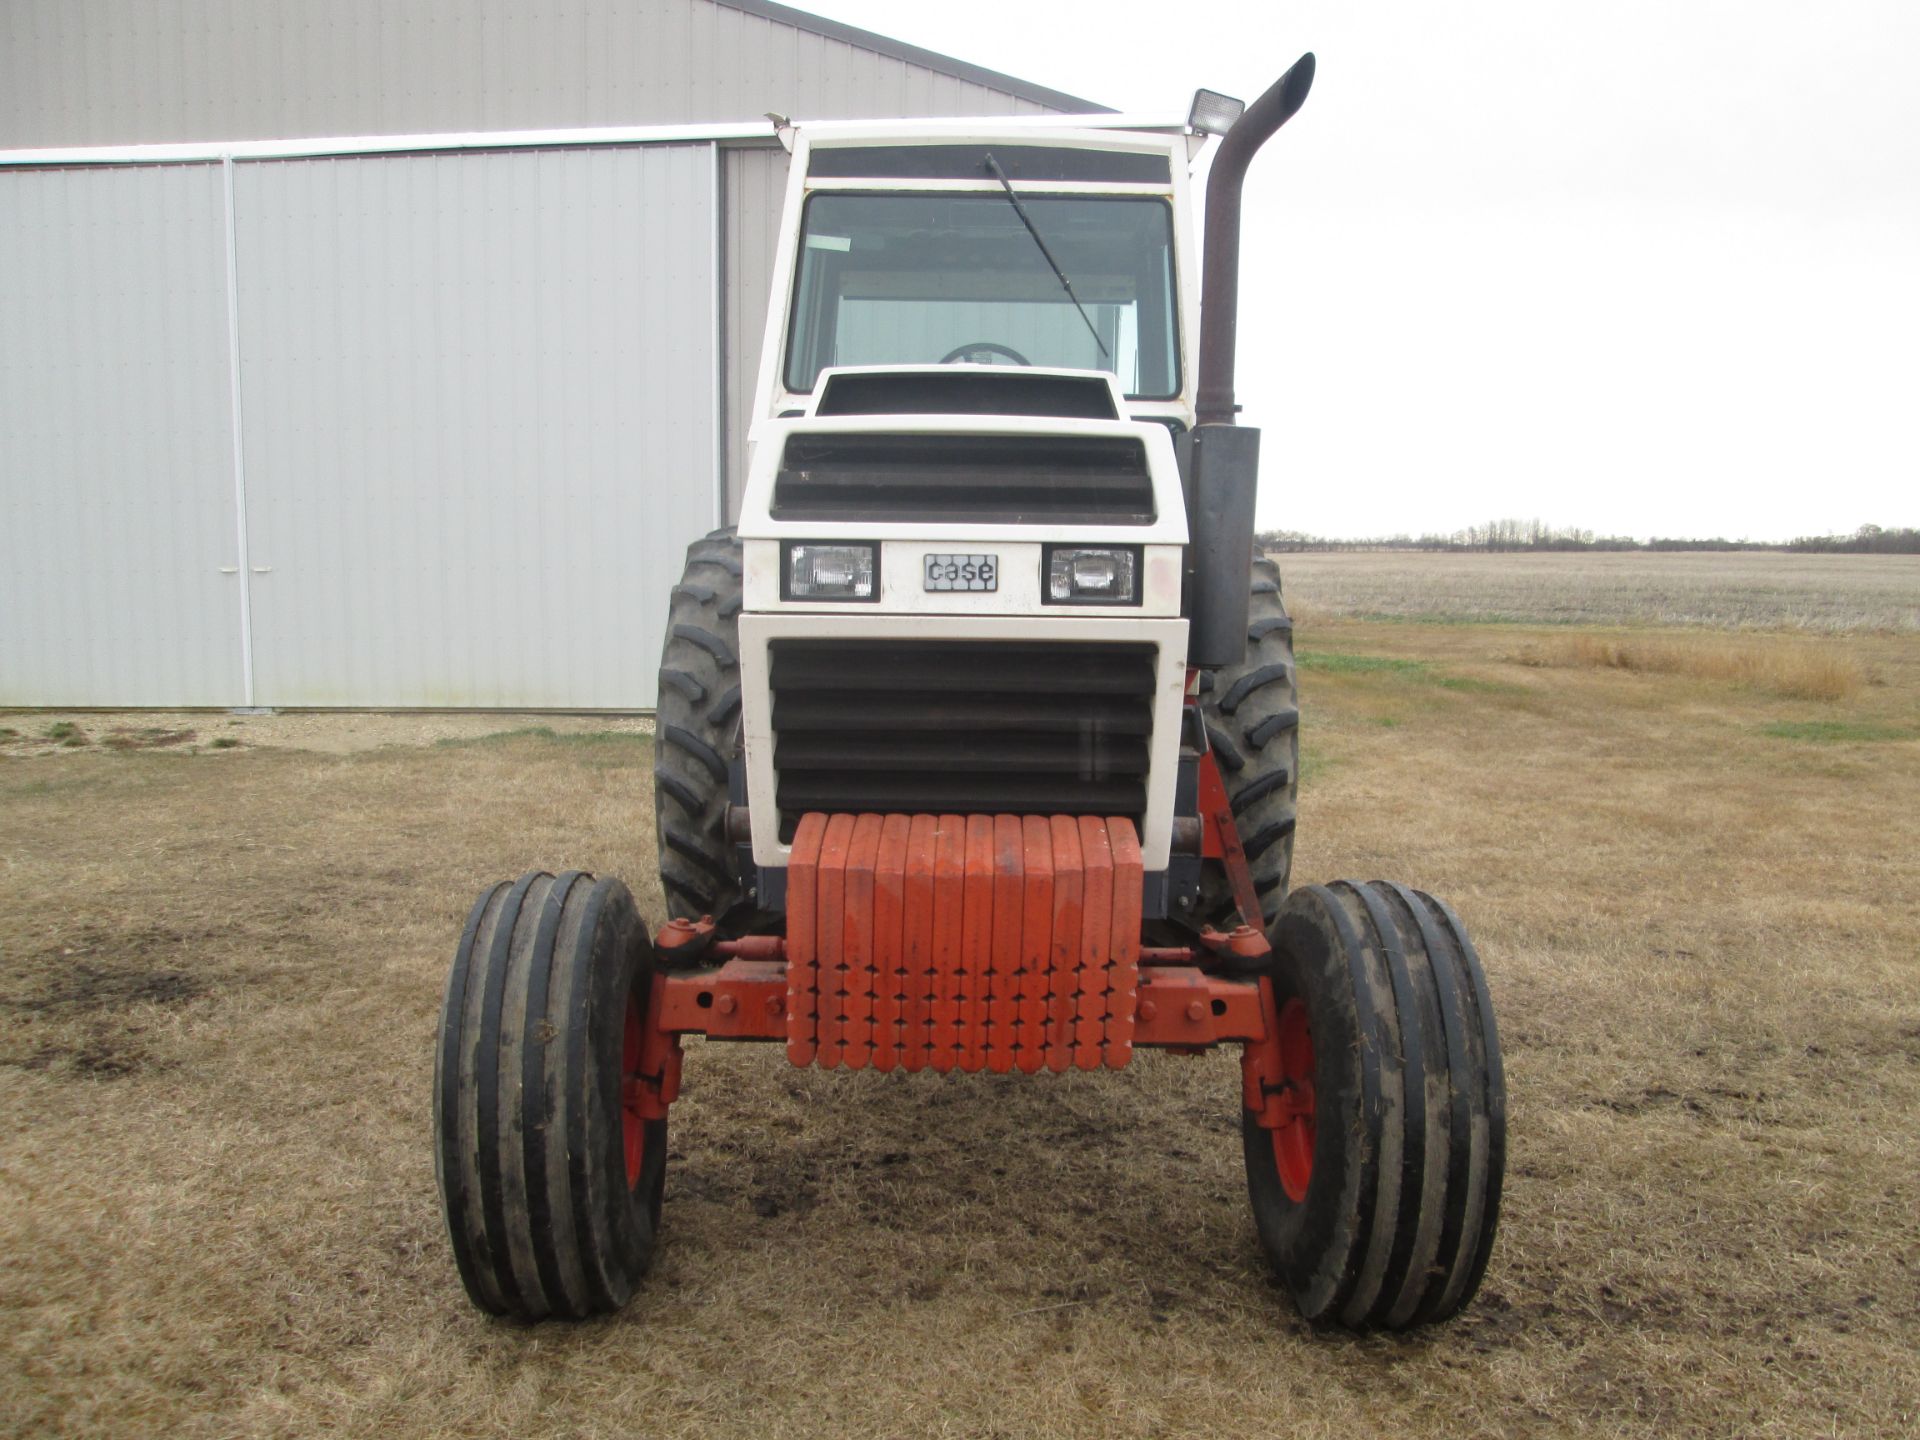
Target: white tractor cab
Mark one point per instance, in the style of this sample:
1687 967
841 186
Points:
977 750
966 534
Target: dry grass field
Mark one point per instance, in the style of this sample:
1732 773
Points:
1698 899
1824 594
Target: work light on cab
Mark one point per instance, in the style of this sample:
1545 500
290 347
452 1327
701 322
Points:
1213 113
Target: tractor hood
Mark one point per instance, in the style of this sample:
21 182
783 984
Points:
964 451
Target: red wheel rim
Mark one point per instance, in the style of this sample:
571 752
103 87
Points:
633 1127
1293 1138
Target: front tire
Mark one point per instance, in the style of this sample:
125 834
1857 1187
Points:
1378 1195
550 1182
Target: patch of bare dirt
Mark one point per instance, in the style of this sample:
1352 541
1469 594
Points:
331 732
85 986
146 737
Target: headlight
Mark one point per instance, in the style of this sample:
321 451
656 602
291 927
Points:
1090 575
831 572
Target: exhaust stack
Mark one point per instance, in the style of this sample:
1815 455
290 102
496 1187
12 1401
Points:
1224 469
1220 259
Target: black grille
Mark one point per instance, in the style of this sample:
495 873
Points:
967 390
1007 479
960 727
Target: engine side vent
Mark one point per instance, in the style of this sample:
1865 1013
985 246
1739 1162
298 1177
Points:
968 390
996 479
960 728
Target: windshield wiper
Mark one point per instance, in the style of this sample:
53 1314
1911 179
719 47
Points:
1059 274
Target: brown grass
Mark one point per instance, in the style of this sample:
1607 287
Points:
219 978
1817 594
1797 671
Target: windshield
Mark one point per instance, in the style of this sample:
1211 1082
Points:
906 279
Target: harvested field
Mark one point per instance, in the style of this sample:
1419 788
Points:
1697 901
1741 590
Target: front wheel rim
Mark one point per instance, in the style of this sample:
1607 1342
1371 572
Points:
1293 1138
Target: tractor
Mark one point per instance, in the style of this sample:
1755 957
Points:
977 749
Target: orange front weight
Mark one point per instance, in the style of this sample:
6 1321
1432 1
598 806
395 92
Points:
964 943
943 942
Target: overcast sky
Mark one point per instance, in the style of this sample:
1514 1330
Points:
1642 268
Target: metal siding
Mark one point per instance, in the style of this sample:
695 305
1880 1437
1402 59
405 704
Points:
478 400
478 389
128 71
755 187
116 476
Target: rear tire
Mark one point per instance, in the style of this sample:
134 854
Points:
1381 1214
697 739
1252 712
550 1186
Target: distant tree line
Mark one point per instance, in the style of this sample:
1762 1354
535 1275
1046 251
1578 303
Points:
1867 540
1536 535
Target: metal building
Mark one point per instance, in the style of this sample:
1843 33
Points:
422 417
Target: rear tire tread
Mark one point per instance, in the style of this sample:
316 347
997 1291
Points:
1265 785
1255 680
1258 735
700 867
1225 752
685 684
708 757
707 641
724 708
1252 722
665 784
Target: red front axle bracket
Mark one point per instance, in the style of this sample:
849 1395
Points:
1277 1069
653 1081
1220 836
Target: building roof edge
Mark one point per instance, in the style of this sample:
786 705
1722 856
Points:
915 55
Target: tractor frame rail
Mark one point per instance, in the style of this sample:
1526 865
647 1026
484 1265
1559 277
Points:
1179 1006
744 997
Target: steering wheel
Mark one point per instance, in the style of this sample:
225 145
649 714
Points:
973 350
